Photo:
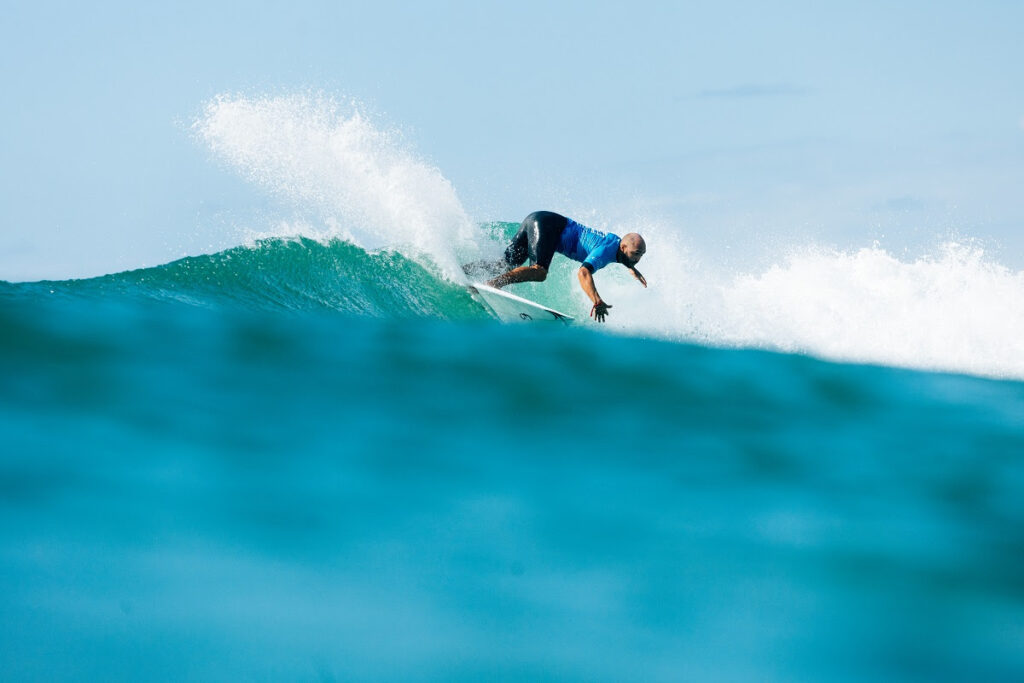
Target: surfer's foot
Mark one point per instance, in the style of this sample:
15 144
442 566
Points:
478 270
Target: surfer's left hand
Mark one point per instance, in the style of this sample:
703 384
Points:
638 276
599 311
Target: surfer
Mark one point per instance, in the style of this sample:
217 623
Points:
543 233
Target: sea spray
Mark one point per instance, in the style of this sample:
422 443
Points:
356 179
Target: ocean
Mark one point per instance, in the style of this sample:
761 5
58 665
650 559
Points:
312 456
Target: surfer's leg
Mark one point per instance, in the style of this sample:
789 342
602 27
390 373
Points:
517 251
544 232
533 273
537 239
541 231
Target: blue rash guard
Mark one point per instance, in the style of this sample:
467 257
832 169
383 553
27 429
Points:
594 248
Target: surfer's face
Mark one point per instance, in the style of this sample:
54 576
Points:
632 254
631 249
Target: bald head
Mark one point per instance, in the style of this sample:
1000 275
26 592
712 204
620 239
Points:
633 247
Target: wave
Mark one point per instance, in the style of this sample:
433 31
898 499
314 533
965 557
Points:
956 311
277 274
953 312
378 231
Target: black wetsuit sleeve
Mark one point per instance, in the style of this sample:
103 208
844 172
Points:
589 267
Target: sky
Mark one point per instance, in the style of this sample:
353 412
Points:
744 125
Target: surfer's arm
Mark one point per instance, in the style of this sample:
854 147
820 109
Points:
638 276
587 283
600 308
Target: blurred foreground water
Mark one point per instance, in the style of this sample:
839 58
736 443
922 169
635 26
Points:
190 493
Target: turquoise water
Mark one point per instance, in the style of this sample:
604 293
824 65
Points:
299 460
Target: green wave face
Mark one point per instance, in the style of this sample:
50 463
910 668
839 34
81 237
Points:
298 274
303 274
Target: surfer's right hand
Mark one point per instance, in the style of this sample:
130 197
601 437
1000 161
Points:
599 311
639 277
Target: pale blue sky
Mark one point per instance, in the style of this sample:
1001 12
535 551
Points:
738 122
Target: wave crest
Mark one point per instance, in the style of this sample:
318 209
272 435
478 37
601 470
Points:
327 157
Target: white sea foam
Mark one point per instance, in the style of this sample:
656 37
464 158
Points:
361 181
955 310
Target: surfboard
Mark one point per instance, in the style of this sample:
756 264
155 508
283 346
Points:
510 308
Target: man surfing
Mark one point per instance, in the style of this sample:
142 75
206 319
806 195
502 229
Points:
544 232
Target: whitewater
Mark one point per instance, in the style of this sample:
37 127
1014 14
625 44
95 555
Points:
349 179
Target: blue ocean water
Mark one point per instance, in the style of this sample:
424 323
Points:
303 460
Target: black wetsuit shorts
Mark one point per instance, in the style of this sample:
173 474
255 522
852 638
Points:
537 239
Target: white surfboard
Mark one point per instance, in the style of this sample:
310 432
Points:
510 308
